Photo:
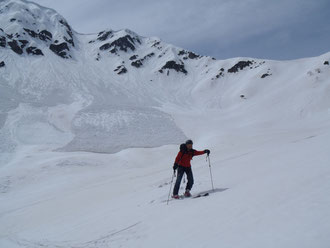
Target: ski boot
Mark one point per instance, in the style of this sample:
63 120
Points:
175 196
187 193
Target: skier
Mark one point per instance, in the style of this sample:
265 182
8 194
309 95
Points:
182 164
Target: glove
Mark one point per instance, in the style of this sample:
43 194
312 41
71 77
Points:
207 151
175 166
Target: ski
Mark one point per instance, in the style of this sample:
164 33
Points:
182 197
200 195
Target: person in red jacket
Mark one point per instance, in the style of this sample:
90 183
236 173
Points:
182 164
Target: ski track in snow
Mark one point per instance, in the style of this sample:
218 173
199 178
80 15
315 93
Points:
103 241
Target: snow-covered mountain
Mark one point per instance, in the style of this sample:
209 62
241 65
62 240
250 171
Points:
64 95
97 92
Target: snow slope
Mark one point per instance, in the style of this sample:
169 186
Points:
90 125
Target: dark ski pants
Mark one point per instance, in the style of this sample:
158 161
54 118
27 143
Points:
190 178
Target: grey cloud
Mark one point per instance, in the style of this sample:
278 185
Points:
282 29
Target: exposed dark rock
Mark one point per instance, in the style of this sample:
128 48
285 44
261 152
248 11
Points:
121 69
3 41
106 46
12 19
221 73
133 57
42 35
239 66
31 33
156 44
265 75
34 51
70 41
175 66
98 56
123 43
69 30
104 35
45 35
149 55
15 47
326 63
190 55
2 64
60 49
242 96
182 52
138 63
23 43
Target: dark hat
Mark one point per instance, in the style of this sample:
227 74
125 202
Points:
189 142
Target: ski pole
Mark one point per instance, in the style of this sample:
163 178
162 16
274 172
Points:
169 193
208 158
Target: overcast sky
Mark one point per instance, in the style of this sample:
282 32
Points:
271 29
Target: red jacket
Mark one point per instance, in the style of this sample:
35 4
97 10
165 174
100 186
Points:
184 160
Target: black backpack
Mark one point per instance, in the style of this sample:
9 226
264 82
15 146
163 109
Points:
184 150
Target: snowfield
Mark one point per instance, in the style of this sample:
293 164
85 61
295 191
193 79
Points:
276 181
90 126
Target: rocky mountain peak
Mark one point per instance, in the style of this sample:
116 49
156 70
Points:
28 28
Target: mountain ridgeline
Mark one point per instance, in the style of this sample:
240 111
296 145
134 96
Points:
29 29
